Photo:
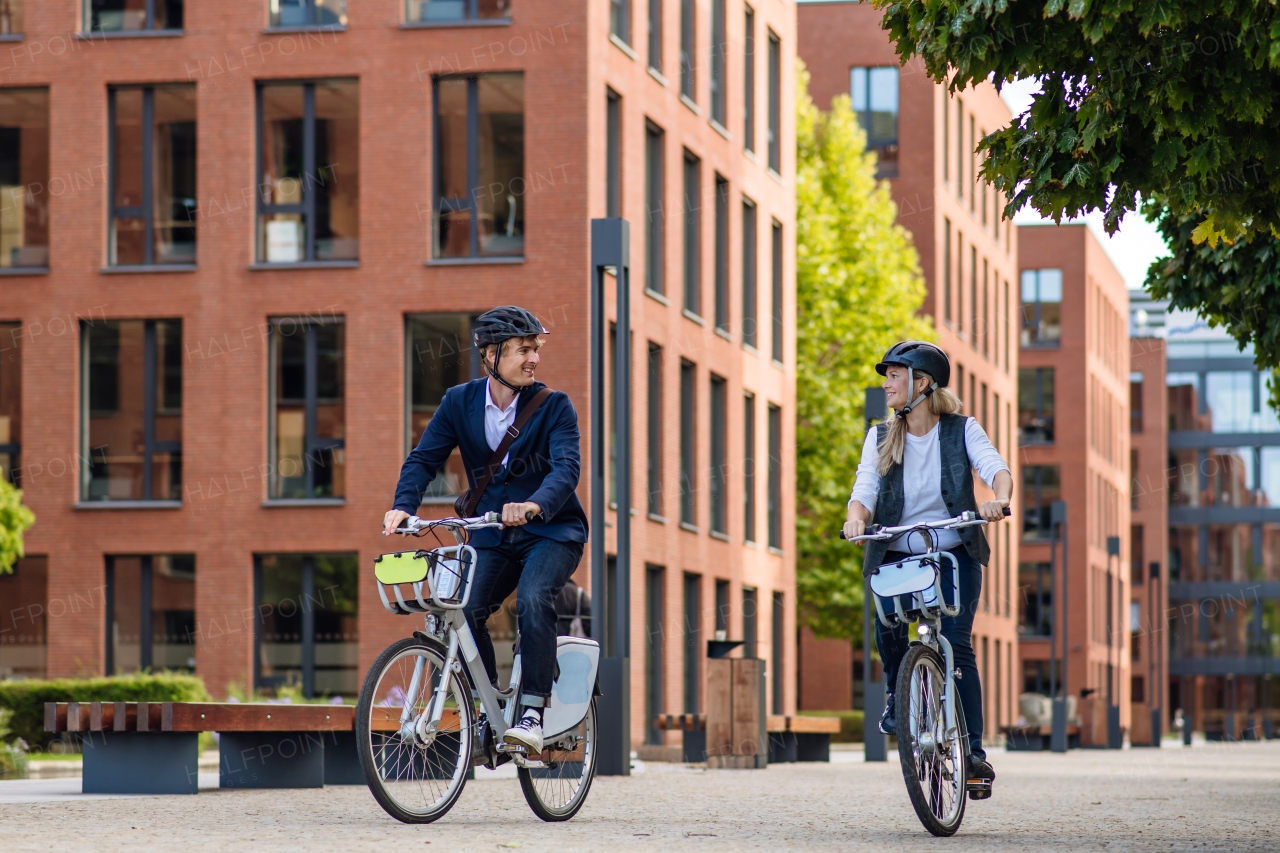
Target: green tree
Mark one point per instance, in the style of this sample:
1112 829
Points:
15 519
858 288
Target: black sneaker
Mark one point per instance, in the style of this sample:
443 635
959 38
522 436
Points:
980 769
889 719
979 778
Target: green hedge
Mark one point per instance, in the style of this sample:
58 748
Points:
850 724
25 699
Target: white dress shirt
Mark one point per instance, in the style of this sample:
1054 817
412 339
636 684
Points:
496 420
922 480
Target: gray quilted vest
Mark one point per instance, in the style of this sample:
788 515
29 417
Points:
957 491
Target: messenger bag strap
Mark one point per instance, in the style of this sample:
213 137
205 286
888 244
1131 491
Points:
495 462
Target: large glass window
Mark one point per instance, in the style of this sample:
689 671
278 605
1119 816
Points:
308 400
132 410
620 20
1135 402
874 96
719 462
151 604
11 17
444 11
1041 307
687 11
613 153
24 618
1037 599
308 160
1235 402
114 16
24 178
307 631
479 150
719 73
775 477
1035 405
692 642
439 355
308 13
1041 486
153 175
653 231
688 475
10 400
692 234
722 254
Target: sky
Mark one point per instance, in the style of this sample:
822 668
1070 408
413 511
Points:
1134 246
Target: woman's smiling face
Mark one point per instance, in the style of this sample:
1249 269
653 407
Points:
895 387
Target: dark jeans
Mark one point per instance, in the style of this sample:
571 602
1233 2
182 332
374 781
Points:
536 568
892 642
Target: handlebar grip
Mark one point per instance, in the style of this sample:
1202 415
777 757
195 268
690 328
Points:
528 516
1007 512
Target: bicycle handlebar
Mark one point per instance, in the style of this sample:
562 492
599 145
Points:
413 524
964 519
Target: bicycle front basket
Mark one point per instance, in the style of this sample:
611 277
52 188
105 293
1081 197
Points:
401 567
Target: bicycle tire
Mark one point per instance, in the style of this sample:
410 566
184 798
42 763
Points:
921 682
389 762
569 778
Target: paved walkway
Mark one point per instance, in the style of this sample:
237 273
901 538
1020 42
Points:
1217 797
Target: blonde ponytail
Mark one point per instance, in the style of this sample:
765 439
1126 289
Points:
941 402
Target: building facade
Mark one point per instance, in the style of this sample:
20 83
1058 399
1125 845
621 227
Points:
1073 419
927 140
239 269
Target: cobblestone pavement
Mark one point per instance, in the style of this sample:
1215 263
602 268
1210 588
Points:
1216 797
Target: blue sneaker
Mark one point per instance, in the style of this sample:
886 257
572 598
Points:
889 719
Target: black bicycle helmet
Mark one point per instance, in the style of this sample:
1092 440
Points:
502 324
919 356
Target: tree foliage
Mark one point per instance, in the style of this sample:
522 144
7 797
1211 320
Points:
858 288
15 520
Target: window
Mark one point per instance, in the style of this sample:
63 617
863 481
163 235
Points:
688 476
654 418
959 148
693 648
750 622
308 395
687 8
777 626
985 328
307 628
115 16
1004 326
308 157
24 618
653 179
479 155
1233 400
11 17
653 577
750 323
151 607
775 477
719 74
10 401
132 427
438 355
309 13
873 93
749 80
153 175
973 159
946 137
974 331
775 103
620 20
613 160
722 609
722 254
1041 307
1035 405
778 325
1135 402
946 269
719 464
443 11
1036 612
655 35
24 162
1040 488
749 467
1137 566
692 234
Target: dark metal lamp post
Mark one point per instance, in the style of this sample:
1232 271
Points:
873 693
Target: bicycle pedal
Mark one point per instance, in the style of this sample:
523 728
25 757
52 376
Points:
513 748
979 789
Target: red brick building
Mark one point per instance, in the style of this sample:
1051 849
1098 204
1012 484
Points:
242 246
927 141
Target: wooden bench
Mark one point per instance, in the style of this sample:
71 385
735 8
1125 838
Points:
153 747
790 738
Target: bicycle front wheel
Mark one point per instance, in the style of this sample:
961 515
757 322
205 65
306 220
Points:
932 765
557 791
414 774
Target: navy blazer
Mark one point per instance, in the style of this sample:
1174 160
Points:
543 465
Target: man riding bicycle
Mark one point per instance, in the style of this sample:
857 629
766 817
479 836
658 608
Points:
917 467
537 477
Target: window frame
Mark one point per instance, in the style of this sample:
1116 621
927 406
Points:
12 448
750 274
1032 324
311 442
653 437
779 326
749 80
655 167
688 49
688 442
620 20
692 593
149 21
471 16
655 35
775 476
411 441
749 467
613 153
721 282
885 168
1033 511
312 23
654 581
1039 407
146 637
777 630
719 76
775 102
691 176
717 491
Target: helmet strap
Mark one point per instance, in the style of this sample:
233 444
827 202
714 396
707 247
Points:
906 410
493 369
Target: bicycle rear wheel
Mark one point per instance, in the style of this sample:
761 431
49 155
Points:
933 767
557 791
414 775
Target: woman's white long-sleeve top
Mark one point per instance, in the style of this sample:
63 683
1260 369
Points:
922 480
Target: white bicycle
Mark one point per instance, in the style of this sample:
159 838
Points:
428 713
933 741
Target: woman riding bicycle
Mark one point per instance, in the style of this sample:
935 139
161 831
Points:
919 468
